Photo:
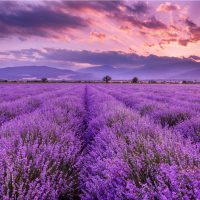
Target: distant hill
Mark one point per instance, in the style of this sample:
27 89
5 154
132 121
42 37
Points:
38 72
31 72
151 68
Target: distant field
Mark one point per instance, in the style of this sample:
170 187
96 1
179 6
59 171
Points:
99 141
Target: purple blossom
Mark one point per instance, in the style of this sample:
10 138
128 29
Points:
77 141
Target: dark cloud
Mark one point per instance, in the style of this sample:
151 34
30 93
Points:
96 58
64 55
8 6
49 19
196 58
194 30
119 65
98 35
165 41
193 34
150 23
41 17
184 42
153 23
190 23
140 7
114 58
107 6
25 52
130 14
35 20
196 33
119 11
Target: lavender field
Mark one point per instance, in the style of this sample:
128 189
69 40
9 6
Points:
99 141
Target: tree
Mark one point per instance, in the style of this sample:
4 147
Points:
107 79
135 80
44 80
184 82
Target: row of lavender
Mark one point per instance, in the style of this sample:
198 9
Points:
40 144
131 158
11 92
175 107
87 142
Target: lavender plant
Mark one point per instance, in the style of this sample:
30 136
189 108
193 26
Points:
77 141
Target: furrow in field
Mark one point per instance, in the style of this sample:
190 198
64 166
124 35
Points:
39 153
7 93
131 158
13 109
17 96
181 118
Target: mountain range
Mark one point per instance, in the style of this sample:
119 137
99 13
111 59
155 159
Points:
175 69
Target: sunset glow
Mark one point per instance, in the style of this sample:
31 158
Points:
36 32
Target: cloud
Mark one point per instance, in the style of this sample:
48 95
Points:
195 58
23 19
190 23
115 58
121 25
150 23
185 32
96 58
194 30
38 20
153 23
120 12
107 6
98 35
65 55
168 7
140 7
184 42
117 64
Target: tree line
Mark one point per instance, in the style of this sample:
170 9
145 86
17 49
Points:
107 79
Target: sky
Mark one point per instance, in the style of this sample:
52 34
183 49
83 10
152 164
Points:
80 34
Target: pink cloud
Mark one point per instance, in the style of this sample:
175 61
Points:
167 7
98 35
